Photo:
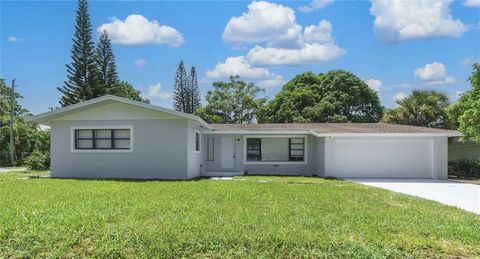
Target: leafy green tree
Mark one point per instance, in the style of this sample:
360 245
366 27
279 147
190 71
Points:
193 92
28 136
180 94
83 78
426 108
126 90
232 102
337 96
106 64
466 111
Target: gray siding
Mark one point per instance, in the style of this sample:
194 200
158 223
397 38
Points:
159 151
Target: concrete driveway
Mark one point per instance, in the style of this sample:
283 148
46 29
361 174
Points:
462 195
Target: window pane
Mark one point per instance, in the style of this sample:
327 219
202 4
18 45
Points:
275 149
81 144
122 143
84 134
210 149
197 141
296 140
297 149
253 158
103 143
296 152
121 133
296 146
103 133
254 149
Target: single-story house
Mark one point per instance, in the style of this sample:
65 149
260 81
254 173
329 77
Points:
113 137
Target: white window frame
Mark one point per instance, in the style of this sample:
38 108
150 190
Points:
72 140
195 141
305 154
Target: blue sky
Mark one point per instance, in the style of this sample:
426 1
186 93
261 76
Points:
395 46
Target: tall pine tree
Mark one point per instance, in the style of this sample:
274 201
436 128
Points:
193 92
82 74
180 94
106 64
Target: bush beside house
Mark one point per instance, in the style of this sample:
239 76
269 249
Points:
38 160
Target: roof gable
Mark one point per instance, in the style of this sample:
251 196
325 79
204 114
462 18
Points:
83 110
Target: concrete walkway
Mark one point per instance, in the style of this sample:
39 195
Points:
462 195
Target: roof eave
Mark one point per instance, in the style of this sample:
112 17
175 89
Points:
316 134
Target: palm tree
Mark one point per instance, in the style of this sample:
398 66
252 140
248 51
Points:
427 108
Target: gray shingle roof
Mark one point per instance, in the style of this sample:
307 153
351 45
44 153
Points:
321 128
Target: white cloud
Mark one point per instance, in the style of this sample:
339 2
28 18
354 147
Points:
155 91
237 66
264 22
241 67
309 53
374 84
13 39
315 45
140 62
138 30
399 20
470 61
314 5
321 33
280 40
399 96
471 3
434 74
276 81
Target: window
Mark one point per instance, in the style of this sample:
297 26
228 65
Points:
210 149
197 141
102 139
296 149
254 152
275 149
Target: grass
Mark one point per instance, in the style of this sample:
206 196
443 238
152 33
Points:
245 217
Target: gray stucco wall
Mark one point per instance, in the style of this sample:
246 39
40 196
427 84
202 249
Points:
194 160
159 151
309 168
319 156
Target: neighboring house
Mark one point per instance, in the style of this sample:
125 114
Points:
112 137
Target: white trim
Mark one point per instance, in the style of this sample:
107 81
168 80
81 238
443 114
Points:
304 162
48 116
253 132
195 141
72 140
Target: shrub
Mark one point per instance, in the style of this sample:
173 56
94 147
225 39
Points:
464 168
38 160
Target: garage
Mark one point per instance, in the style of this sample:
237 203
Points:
381 157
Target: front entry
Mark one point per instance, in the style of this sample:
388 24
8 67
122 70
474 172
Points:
227 150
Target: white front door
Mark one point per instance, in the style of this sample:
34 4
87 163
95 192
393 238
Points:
227 150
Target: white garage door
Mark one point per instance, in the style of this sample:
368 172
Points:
380 158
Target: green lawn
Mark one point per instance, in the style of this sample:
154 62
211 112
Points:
254 217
